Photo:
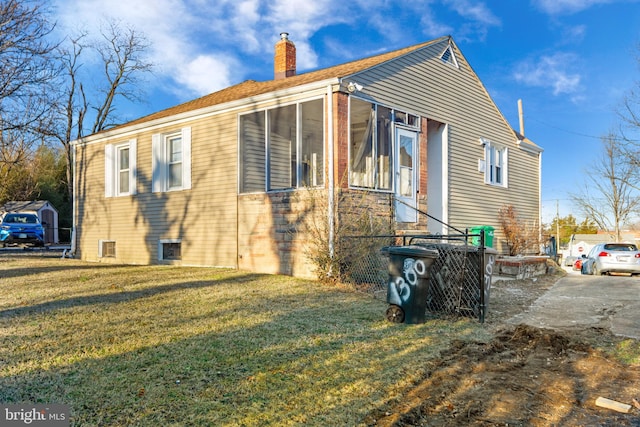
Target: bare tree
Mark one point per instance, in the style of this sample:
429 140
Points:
609 196
27 70
26 65
45 95
121 51
629 113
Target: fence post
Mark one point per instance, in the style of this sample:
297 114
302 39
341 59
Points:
482 272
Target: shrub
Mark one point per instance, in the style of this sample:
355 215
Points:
522 237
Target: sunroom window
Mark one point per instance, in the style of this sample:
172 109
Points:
370 146
282 148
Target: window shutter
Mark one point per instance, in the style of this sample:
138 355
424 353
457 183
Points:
186 158
109 166
157 163
133 171
487 164
505 167
481 165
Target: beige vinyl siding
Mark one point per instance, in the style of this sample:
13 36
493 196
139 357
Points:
421 83
205 219
202 218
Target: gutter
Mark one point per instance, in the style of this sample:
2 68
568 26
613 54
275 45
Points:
241 103
331 177
74 205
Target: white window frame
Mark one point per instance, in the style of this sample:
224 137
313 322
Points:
112 169
160 161
496 163
120 170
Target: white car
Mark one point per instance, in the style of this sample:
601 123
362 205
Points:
605 258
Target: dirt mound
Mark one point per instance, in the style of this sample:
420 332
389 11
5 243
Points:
524 377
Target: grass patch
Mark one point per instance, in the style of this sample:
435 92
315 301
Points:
157 345
628 352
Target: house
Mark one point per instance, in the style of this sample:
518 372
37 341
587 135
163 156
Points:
46 212
226 179
581 244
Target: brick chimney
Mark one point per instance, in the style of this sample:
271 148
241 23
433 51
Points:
284 63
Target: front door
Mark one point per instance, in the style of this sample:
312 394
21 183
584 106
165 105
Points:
405 179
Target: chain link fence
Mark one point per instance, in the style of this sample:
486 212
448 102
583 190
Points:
460 277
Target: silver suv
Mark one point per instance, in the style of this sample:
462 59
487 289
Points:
605 258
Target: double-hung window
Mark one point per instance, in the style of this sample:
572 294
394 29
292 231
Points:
120 169
171 161
124 168
174 161
495 163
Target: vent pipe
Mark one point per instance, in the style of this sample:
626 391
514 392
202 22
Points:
521 117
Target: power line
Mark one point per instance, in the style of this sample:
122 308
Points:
557 198
584 135
564 130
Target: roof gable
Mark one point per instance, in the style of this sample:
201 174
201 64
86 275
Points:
26 205
250 88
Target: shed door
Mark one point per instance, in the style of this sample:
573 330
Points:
405 182
49 226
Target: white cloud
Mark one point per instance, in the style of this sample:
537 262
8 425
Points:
477 18
474 11
432 27
205 72
575 34
200 46
551 72
555 7
167 26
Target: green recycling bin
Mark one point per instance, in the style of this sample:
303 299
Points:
408 285
488 235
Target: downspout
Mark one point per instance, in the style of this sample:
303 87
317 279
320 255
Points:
74 208
540 205
331 178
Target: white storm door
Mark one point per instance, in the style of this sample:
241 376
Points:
405 176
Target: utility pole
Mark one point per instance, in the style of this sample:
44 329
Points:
557 227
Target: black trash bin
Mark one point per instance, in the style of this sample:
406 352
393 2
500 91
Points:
408 285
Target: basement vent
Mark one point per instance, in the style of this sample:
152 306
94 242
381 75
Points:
170 250
107 249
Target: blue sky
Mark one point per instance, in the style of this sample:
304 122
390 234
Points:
570 61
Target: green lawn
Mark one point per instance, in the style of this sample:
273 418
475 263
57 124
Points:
162 346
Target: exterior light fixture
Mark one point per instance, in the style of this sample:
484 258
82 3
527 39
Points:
353 87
